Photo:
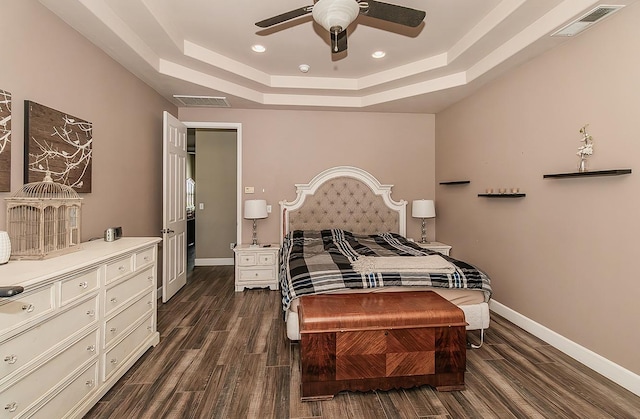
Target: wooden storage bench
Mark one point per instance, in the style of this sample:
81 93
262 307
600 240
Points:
379 341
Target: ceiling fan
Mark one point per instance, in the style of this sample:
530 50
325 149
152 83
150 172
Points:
336 15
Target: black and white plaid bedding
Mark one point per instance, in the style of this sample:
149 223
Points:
320 261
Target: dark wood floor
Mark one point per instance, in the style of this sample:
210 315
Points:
225 355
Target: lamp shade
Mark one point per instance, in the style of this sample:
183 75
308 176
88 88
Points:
255 208
5 247
423 208
335 13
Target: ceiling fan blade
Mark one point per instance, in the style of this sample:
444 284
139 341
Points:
338 41
392 13
284 17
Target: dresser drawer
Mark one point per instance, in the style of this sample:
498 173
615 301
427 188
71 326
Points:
20 395
266 259
26 347
124 291
145 257
23 308
256 258
80 285
120 323
70 396
118 355
256 274
118 268
247 259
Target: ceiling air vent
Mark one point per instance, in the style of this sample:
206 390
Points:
203 101
586 20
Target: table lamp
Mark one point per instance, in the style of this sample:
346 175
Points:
255 209
423 208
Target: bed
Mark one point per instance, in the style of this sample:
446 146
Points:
343 233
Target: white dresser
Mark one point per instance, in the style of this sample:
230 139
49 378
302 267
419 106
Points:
82 321
445 249
256 267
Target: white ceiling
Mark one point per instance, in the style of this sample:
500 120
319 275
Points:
203 47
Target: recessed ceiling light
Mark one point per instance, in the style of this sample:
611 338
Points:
378 54
304 68
258 48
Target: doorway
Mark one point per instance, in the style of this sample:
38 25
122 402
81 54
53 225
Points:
216 171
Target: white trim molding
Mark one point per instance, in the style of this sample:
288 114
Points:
213 262
598 363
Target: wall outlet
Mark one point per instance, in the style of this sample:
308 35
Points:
248 189
269 209
201 205
232 245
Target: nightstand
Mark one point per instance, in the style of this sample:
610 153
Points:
256 267
437 246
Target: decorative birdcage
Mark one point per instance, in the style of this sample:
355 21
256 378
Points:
43 220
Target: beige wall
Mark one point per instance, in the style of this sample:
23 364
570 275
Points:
565 254
46 61
216 159
281 148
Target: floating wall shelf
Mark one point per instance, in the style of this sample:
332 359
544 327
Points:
612 172
456 182
502 195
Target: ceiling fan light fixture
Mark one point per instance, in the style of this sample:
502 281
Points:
335 13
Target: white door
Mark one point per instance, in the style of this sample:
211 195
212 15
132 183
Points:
174 218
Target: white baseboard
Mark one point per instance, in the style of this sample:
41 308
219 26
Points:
598 363
213 261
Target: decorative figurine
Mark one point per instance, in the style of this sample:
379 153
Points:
585 150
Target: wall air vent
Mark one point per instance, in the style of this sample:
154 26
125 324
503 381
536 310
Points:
591 17
203 101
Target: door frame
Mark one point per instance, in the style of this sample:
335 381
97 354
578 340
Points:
238 128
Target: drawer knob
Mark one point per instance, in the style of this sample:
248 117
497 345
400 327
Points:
147 258
150 303
113 329
11 359
256 274
91 313
114 300
91 348
11 407
121 268
90 383
114 361
28 308
83 284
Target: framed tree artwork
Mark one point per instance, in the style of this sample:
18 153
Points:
59 144
5 141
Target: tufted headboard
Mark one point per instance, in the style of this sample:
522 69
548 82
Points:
344 197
